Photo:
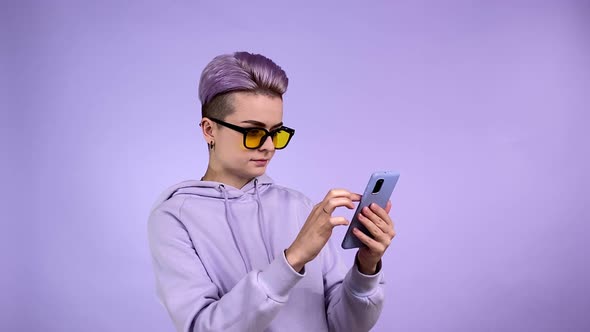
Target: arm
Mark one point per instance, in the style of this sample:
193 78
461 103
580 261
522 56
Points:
193 300
353 303
345 300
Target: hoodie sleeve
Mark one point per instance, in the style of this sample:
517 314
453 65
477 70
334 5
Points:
194 302
355 302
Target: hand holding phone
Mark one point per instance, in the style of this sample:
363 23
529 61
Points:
378 191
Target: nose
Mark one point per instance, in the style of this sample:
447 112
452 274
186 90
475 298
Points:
268 144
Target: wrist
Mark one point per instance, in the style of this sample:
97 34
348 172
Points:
366 268
296 262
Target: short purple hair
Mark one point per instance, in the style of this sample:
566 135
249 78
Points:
240 71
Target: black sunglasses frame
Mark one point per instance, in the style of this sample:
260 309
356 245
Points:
267 133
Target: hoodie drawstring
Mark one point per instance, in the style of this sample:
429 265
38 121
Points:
262 223
230 221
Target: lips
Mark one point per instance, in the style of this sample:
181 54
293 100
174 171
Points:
260 162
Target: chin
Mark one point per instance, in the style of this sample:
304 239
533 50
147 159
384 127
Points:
259 171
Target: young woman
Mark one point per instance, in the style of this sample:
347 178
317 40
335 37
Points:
237 252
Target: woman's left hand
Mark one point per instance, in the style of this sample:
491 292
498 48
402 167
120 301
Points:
380 225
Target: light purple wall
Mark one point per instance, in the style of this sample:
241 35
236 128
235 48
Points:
482 107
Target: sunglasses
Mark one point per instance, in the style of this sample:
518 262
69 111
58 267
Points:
255 137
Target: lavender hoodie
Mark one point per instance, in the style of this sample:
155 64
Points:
218 258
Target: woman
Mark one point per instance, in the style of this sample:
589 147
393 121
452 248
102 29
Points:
237 252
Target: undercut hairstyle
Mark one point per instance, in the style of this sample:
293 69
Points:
240 71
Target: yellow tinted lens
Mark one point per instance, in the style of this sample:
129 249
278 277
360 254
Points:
253 138
281 139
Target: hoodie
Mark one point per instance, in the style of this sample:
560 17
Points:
219 262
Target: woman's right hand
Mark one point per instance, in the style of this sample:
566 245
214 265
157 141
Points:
318 227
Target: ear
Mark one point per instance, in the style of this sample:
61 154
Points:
207 129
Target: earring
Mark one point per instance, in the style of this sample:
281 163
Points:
211 145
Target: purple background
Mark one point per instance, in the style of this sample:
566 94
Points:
482 107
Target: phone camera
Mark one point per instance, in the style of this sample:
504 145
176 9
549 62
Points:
378 186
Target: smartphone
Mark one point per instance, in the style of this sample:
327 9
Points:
378 191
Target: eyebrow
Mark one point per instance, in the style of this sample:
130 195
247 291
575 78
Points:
261 124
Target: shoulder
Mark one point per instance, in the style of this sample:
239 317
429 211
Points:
290 194
166 210
169 200
166 213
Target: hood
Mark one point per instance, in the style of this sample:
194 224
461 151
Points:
213 189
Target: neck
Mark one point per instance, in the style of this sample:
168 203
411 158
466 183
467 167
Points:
234 181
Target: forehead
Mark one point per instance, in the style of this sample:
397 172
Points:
257 107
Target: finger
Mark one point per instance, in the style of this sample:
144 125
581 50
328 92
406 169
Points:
385 223
388 207
381 213
337 221
331 204
373 245
342 193
327 208
376 219
369 225
317 209
379 234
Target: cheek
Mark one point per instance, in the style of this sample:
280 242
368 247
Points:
233 147
236 154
